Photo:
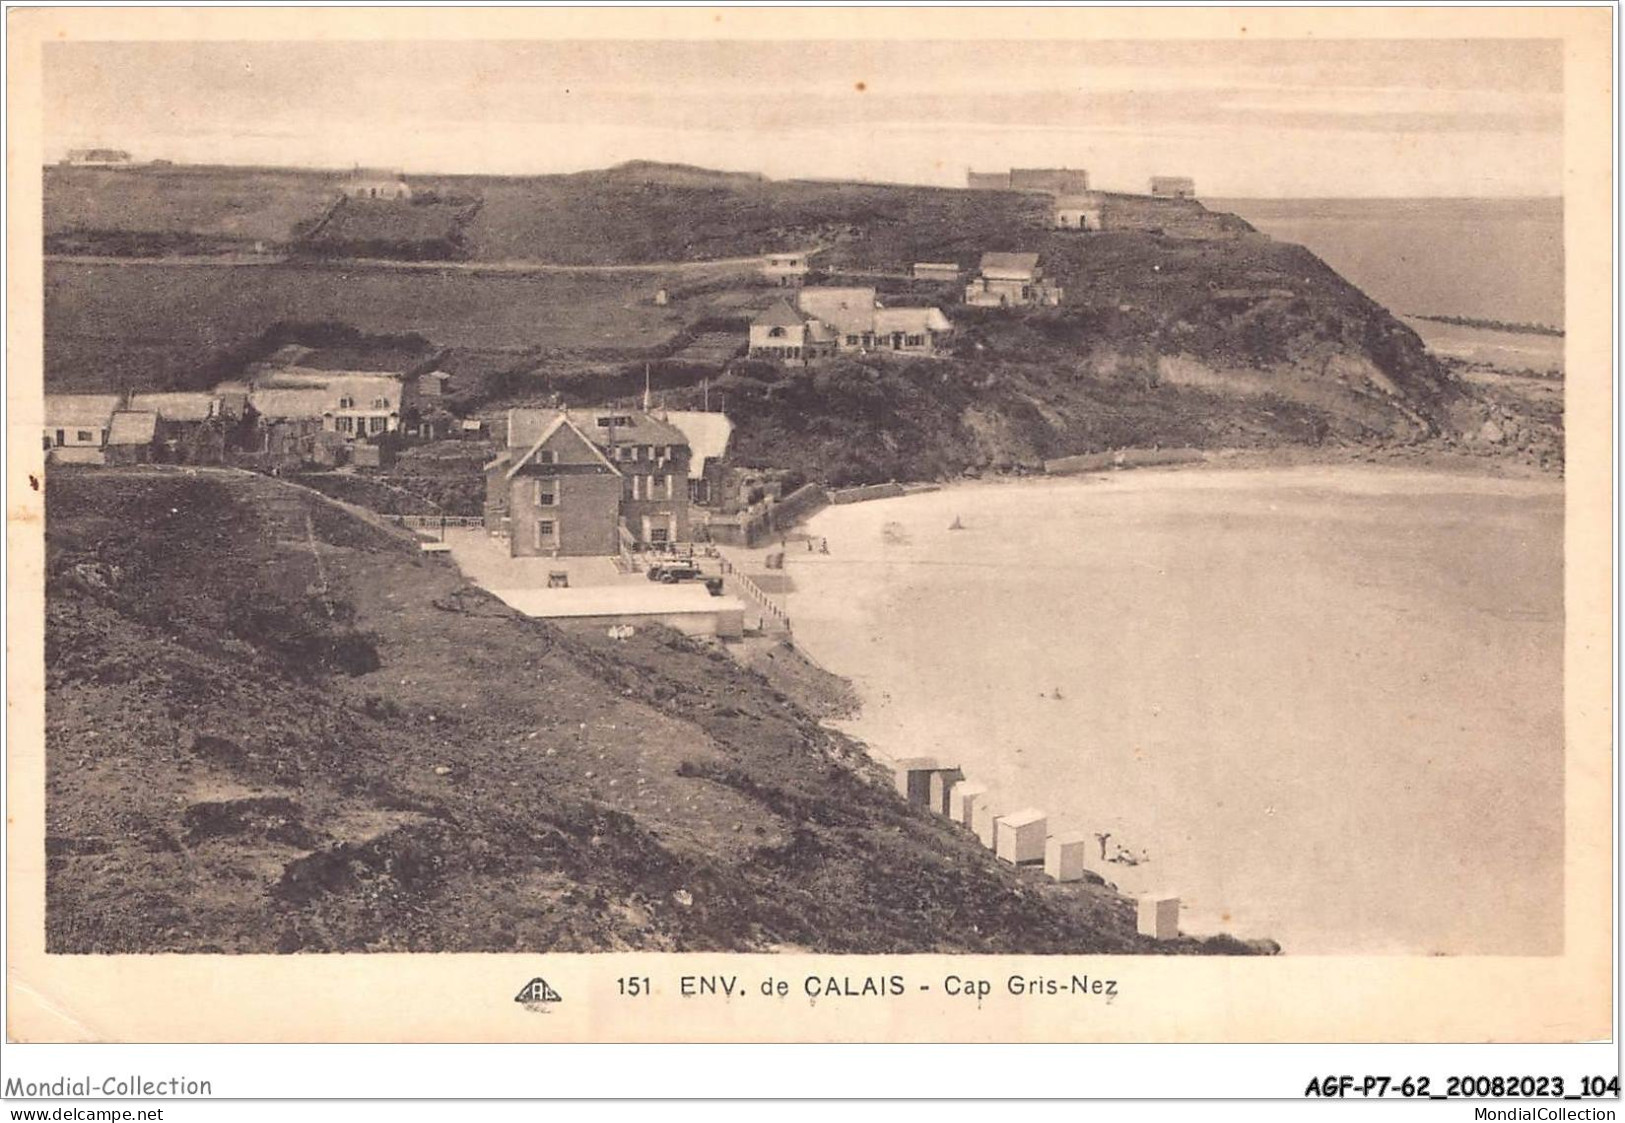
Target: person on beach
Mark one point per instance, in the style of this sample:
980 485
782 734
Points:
1103 837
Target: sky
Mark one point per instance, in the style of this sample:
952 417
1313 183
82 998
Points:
1473 118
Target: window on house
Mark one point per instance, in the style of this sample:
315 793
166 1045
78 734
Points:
61 437
547 456
546 529
344 424
658 535
84 436
915 341
376 424
776 333
47 442
380 403
610 421
346 403
547 498
851 341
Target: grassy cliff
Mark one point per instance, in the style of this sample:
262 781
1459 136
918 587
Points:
274 725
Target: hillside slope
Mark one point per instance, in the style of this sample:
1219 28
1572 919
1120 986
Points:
1179 326
273 725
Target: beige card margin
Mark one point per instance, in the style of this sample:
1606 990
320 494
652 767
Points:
470 997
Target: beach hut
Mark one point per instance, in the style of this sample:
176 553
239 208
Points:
1019 838
913 777
1066 855
943 782
985 823
1159 917
963 799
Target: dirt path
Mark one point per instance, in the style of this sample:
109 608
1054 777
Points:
387 265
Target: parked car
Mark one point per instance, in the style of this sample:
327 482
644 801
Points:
669 573
713 585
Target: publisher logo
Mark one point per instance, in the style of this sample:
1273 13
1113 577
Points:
536 994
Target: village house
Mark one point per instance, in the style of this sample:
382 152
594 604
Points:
1077 212
373 183
1173 187
789 335
785 269
76 426
354 404
131 435
1009 280
588 483
916 331
190 424
827 320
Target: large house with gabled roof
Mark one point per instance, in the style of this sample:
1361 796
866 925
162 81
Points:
587 483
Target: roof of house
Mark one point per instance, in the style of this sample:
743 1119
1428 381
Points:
561 420
911 320
645 429
1014 262
779 314
63 410
438 375
707 435
1087 202
132 427
178 405
289 403
848 310
1023 818
310 376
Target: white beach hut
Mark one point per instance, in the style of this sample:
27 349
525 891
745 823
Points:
1159 917
1066 855
963 800
1019 838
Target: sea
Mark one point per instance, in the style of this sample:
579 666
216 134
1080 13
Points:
1321 705
1487 259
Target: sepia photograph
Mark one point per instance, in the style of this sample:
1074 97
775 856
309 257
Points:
838 495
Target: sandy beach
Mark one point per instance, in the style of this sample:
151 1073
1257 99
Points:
1324 703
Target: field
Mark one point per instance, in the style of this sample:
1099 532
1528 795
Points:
148 325
217 205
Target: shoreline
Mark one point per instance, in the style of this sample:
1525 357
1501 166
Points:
867 724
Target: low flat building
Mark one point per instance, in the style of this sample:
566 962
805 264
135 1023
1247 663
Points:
936 271
76 426
687 607
1173 187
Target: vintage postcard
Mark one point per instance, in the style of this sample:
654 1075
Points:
796 525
